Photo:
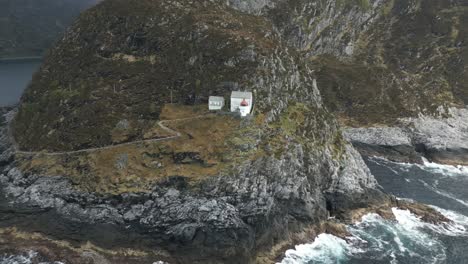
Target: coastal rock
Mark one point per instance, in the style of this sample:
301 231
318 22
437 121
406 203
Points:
380 136
230 217
444 139
146 54
441 139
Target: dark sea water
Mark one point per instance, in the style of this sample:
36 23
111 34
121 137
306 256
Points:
15 75
406 240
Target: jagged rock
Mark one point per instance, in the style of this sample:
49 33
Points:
225 217
121 161
123 124
439 139
251 206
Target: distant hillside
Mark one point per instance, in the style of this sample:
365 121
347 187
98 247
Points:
29 27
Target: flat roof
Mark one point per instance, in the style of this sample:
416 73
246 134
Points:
242 95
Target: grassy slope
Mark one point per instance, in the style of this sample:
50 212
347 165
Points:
117 68
123 63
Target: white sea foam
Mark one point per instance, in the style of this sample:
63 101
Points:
26 258
18 259
459 225
377 239
444 169
449 170
325 249
406 238
443 193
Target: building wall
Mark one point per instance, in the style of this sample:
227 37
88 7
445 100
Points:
235 103
215 105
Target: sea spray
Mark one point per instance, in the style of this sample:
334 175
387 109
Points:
28 257
406 240
325 249
448 170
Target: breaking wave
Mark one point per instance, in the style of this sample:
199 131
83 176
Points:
325 249
26 258
444 169
376 240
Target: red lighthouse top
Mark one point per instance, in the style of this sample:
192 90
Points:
244 103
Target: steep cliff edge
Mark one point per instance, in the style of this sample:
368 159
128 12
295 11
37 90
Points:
378 60
229 194
391 65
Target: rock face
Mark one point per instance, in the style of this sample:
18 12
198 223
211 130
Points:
121 61
144 54
438 139
230 218
378 60
370 59
125 59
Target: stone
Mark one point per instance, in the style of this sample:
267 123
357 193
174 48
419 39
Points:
439 139
123 124
121 161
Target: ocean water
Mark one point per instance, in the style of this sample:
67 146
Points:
15 75
407 240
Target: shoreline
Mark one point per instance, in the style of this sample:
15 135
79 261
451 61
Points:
26 58
438 139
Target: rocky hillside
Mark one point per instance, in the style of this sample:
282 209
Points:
259 182
229 190
125 63
377 60
30 27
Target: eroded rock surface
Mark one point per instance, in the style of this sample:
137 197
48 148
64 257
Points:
440 139
228 218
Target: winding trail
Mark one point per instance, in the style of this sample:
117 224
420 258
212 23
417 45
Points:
175 134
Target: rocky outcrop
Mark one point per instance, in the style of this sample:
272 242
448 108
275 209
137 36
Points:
125 59
229 218
438 139
378 60
442 140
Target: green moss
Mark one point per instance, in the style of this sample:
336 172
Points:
293 118
388 7
363 4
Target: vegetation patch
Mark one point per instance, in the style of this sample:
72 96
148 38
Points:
198 153
126 59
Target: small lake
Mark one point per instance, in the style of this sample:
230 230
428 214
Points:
15 75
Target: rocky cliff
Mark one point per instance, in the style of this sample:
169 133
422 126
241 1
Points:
378 60
388 64
283 172
243 189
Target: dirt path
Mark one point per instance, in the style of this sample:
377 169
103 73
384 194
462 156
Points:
175 134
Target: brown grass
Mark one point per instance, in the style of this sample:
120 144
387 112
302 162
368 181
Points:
177 111
148 163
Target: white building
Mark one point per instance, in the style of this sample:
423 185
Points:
215 103
241 102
